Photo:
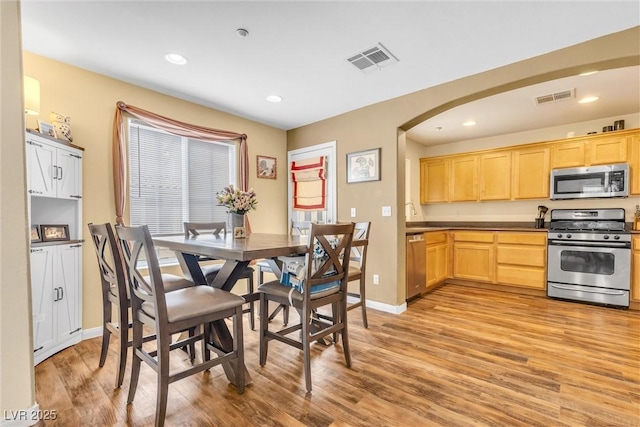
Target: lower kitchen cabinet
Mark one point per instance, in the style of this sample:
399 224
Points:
521 259
635 268
437 257
56 272
474 256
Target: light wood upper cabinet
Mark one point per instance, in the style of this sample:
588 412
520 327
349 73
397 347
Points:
606 150
495 176
634 157
434 181
568 155
531 173
464 179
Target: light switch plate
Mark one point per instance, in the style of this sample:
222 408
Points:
353 212
386 211
376 279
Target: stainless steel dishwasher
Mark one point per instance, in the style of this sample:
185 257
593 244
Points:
416 265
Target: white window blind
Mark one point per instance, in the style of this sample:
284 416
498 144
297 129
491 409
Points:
175 179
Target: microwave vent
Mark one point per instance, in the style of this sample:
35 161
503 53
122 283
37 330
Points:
554 97
373 58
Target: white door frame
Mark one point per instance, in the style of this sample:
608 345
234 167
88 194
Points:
327 149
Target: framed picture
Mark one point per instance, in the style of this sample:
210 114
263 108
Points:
363 166
35 233
267 167
50 233
46 128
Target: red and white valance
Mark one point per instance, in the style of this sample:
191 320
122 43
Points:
309 184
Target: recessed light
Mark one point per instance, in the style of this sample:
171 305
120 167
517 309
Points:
588 99
274 98
588 73
469 123
242 32
175 58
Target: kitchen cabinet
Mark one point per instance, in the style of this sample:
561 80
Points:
437 257
463 184
634 157
605 150
54 177
53 170
635 268
521 259
56 298
531 173
495 176
473 255
434 181
568 155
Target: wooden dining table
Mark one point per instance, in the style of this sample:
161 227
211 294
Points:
236 254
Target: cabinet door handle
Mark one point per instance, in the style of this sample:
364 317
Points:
60 177
55 172
56 298
38 349
34 143
36 250
61 293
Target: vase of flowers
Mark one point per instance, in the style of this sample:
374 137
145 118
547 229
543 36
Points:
238 203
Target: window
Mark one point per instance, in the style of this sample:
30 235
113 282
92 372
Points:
174 179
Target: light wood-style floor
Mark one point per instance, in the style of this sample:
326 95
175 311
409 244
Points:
460 356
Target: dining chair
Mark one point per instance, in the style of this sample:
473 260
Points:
192 229
298 228
115 294
321 281
357 267
193 308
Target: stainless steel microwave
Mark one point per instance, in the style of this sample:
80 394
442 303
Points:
590 182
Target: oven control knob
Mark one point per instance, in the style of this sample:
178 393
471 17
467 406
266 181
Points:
568 236
616 237
606 237
559 236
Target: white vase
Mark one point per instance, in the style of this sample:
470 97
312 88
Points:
235 220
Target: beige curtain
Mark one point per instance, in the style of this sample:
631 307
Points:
172 126
308 177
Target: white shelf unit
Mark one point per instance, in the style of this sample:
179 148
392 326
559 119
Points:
54 184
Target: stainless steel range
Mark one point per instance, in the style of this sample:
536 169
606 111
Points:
589 256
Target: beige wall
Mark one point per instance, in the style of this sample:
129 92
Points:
90 99
520 210
17 389
375 126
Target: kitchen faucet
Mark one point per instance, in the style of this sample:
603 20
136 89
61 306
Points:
413 209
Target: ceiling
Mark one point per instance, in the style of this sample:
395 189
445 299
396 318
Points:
299 50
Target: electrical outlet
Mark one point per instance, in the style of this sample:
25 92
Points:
353 212
386 211
376 279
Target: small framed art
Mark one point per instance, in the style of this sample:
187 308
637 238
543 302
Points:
35 233
363 166
46 128
267 167
50 233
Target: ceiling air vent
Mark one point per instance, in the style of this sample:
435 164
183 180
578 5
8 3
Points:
553 97
372 58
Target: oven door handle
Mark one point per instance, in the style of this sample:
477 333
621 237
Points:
611 244
600 291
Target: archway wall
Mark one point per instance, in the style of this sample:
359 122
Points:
377 126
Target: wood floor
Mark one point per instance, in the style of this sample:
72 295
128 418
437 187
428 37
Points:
460 356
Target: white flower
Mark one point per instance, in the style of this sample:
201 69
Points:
237 201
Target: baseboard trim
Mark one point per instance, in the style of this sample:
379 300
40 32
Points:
387 308
87 334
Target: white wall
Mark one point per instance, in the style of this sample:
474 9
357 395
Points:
520 210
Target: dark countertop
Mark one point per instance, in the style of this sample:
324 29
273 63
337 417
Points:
421 227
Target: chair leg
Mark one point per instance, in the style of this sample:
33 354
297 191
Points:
238 348
252 317
264 327
344 333
136 360
206 353
106 333
285 315
163 379
123 329
306 346
363 302
192 346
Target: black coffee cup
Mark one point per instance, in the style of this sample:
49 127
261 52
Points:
618 125
607 129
